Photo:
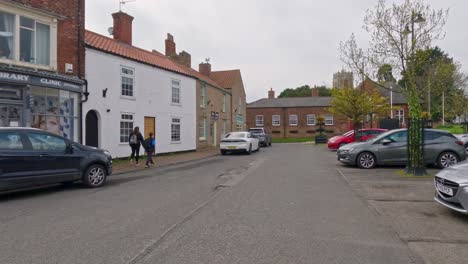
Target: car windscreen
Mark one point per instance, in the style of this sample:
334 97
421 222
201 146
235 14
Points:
349 133
236 135
256 131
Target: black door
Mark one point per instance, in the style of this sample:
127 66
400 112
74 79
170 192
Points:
92 129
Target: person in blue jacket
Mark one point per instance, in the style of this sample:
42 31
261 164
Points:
150 149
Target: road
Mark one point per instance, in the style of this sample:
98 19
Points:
284 204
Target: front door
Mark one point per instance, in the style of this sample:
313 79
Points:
92 129
150 126
213 133
11 115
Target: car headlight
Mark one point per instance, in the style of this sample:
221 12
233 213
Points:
107 153
332 141
346 150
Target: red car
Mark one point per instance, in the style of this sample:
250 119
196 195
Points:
337 141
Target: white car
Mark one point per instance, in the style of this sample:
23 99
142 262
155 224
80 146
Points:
464 139
239 142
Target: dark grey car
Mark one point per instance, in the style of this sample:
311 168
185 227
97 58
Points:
263 136
440 148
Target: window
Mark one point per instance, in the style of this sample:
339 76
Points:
46 142
203 96
275 120
224 103
400 115
175 91
293 120
311 120
175 130
10 141
224 132
127 76
259 120
26 40
126 127
202 129
398 136
329 120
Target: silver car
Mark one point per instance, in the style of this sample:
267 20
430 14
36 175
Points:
440 148
464 138
451 187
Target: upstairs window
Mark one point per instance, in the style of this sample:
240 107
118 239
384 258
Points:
224 103
203 96
175 92
127 75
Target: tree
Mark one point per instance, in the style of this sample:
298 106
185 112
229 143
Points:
304 91
355 104
385 74
397 31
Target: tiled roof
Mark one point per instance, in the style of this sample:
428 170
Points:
385 90
291 102
226 79
154 58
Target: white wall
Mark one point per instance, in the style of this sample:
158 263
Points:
153 98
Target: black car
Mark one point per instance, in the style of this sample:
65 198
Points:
32 157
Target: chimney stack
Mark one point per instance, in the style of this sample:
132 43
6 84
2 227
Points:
205 68
123 27
271 94
315 92
170 46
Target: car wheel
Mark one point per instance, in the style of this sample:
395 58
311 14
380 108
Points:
366 160
269 144
250 150
341 144
95 176
447 159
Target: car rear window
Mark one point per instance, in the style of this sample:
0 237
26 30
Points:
236 135
10 141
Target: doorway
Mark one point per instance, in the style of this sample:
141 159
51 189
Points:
150 126
11 116
92 129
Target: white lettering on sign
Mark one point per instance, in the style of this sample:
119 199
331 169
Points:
15 77
51 82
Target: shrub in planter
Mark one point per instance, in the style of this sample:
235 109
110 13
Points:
321 139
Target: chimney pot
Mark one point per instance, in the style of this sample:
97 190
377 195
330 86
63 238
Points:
123 27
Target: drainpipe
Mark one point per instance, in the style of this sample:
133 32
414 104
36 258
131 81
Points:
80 46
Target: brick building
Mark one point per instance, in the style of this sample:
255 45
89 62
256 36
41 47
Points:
294 117
42 65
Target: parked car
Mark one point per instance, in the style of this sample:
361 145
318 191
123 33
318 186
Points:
451 187
464 138
239 142
263 136
31 157
390 148
338 141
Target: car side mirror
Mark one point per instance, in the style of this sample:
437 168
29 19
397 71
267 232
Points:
386 141
69 149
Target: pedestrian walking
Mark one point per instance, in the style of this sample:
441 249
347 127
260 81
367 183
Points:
150 148
135 140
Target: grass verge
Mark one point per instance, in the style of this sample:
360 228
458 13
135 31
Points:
292 140
454 129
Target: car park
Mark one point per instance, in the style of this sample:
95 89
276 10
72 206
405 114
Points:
263 136
32 157
440 148
239 142
336 142
451 187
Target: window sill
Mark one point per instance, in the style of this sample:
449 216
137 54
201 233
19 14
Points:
202 139
176 142
176 104
131 98
28 64
311 124
329 125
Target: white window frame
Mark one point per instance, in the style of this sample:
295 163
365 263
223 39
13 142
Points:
259 121
175 92
174 122
202 129
128 76
400 114
329 120
224 102
276 123
291 120
203 96
38 18
311 117
128 118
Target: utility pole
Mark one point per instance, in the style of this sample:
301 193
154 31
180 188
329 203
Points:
391 101
443 108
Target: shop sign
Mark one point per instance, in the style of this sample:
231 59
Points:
214 115
240 119
39 81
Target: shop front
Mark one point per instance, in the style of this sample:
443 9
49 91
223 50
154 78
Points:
41 100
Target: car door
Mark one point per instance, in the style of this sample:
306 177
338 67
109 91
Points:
395 152
15 166
53 161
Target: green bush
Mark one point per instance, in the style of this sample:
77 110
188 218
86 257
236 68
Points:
454 129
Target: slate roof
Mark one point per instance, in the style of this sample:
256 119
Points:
112 46
226 79
291 102
398 96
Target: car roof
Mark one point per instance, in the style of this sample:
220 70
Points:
20 129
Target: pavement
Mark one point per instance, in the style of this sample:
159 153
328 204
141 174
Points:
291 203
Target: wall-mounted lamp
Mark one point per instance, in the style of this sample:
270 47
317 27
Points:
104 92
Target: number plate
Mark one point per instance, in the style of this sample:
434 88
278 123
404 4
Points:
232 147
444 189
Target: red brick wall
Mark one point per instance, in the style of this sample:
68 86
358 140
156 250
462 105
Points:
339 126
68 44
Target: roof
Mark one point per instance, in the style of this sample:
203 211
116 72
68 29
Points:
291 102
153 58
386 89
227 79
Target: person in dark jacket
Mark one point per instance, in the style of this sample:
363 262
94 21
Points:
134 140
150 148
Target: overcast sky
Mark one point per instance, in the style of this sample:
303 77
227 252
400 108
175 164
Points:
275 43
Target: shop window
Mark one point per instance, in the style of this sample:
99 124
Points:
329 120
202 129
127 75
33 45
126 127
276 120
175 130
311 120
175 92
